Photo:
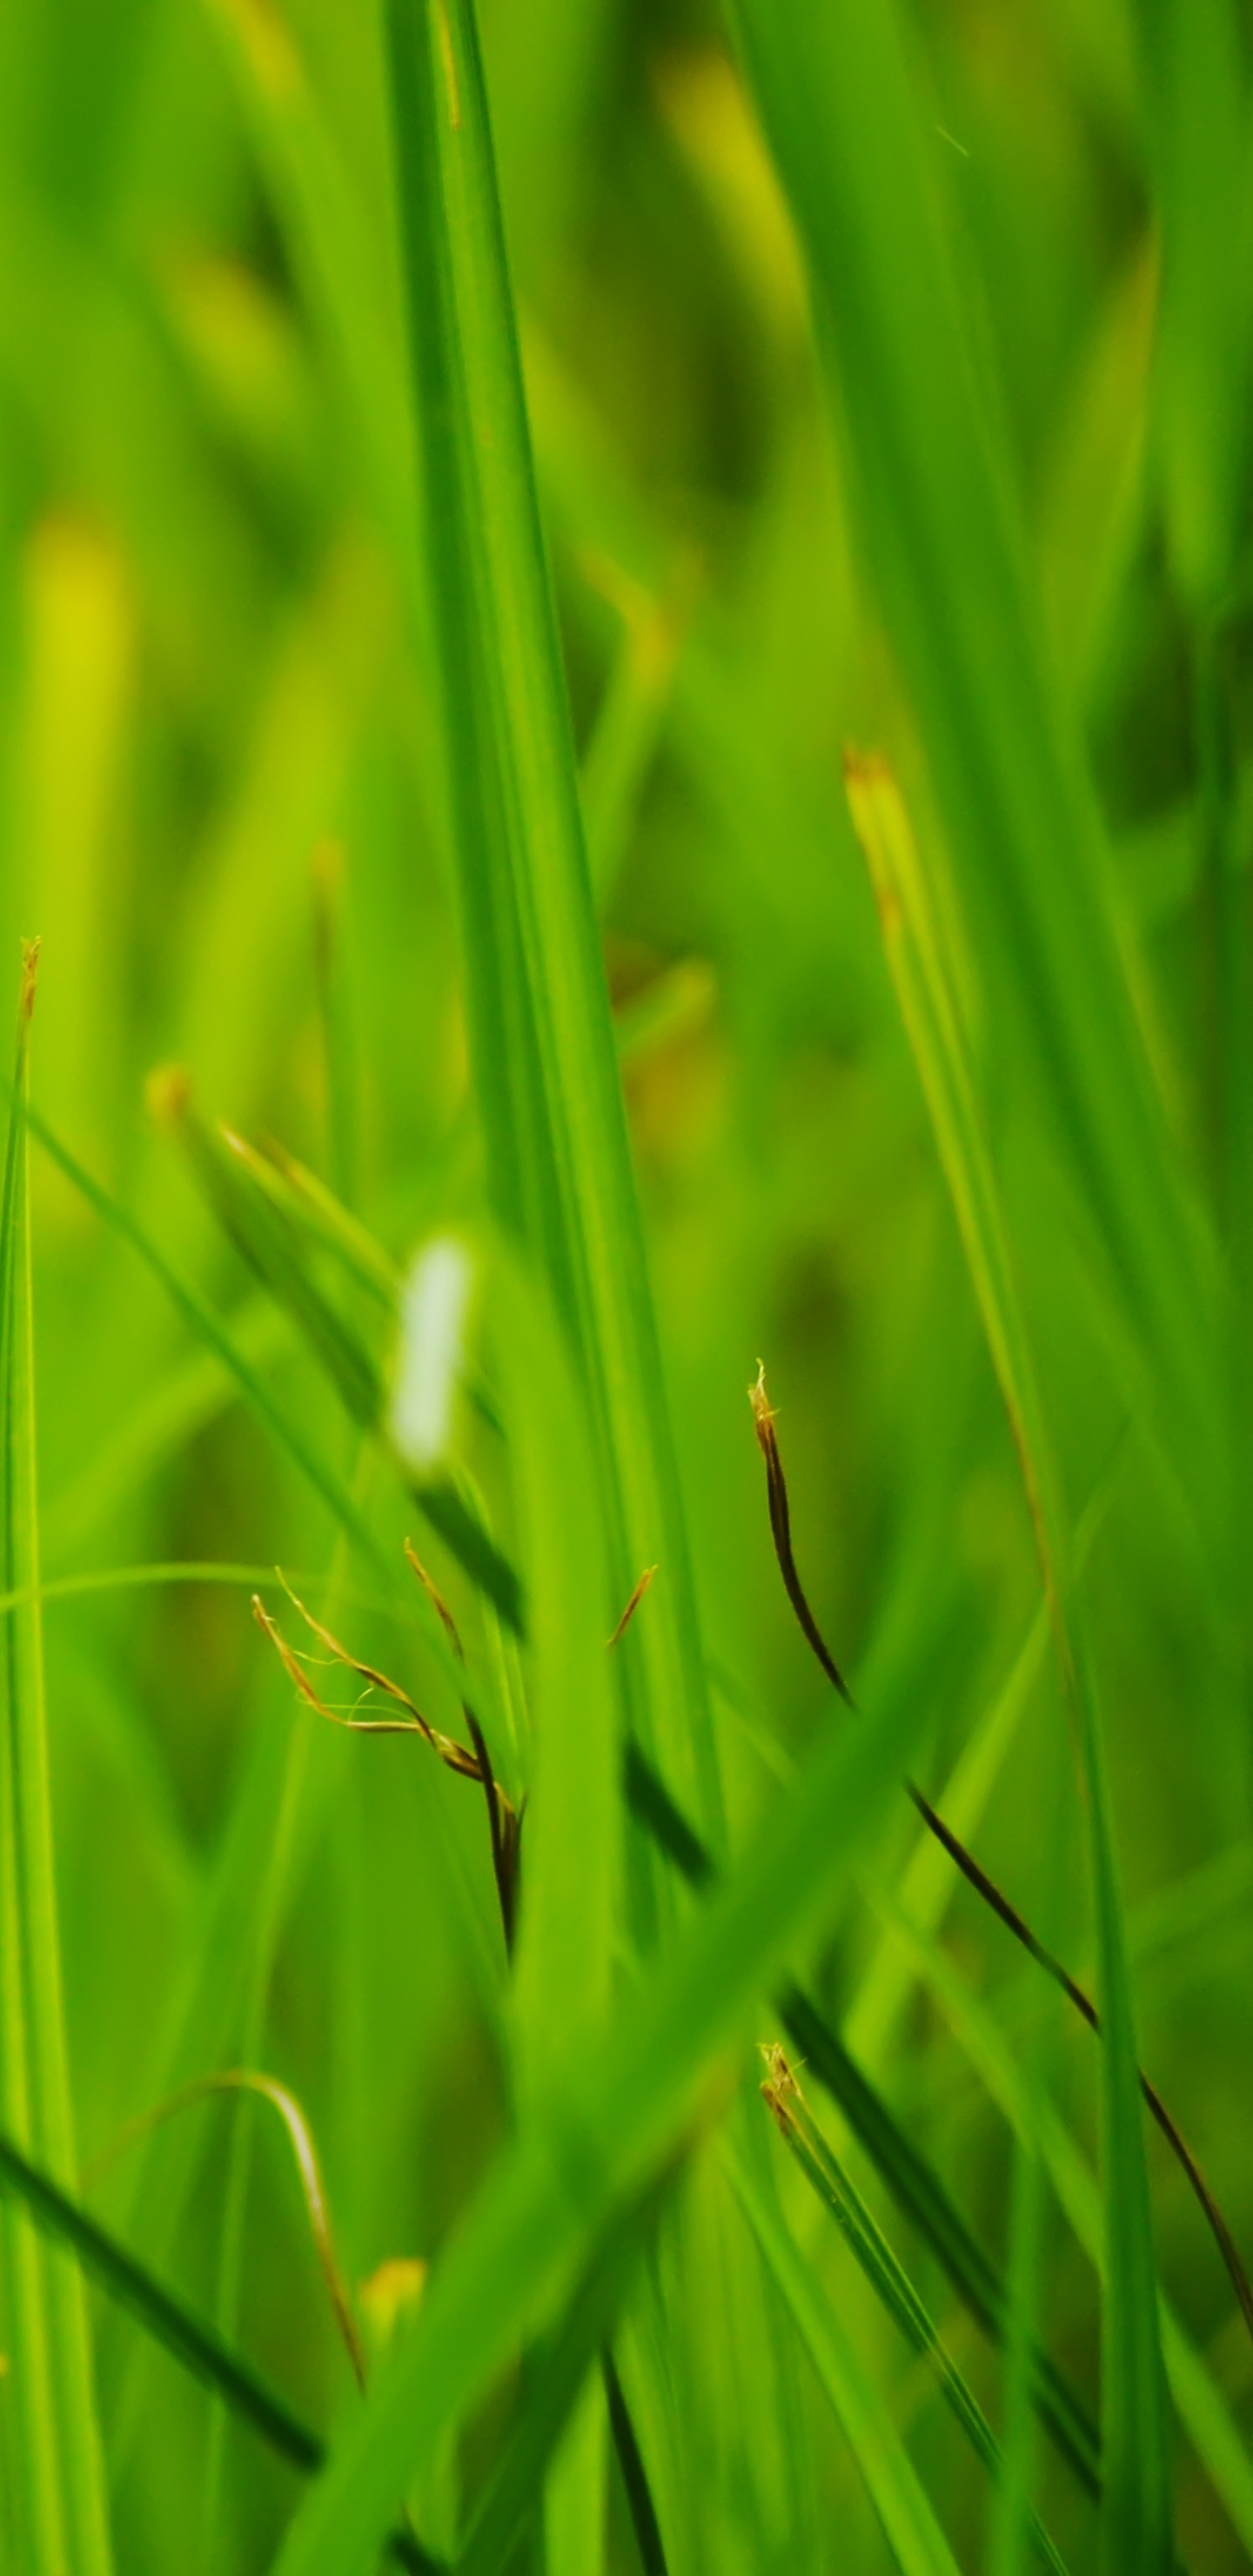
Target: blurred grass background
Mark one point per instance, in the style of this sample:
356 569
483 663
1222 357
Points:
218 809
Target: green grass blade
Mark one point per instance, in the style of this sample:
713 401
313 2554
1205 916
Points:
208 1328
195 1392
263 1219
571 1868
571 1862
1137 2506
928 1880
557 2370
193 2343
885 2273
264 1234
1202 2410
322 1219
628 729
941 527
616 2115
337 258
1201 116
917 2191
341 1066
57 2462
541 1032
137 1578
914 2537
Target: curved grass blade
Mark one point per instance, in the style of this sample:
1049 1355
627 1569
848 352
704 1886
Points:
128 1578
267 2088
55 2460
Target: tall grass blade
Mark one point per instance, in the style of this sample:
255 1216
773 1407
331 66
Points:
1202 2411
942 530
55 2459
557 2369
571 1873
542 1039
916 2190
913 2535
1136 2508
886 2275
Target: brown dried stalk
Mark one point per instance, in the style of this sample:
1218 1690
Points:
644 1585
504 1825
468 1764
238 2079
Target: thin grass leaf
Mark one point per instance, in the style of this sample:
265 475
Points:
941 525
1136 2502
871 2251
267 2088
321 1216
557 2369
916 2190
1201 2407
541 1033
263 1218
55 2454
927 1881
913 2535
572 1868
194 2344
261 1228
340 1064
209 1329
629 720
138 1578
338 259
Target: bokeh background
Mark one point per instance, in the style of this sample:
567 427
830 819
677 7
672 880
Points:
217 810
